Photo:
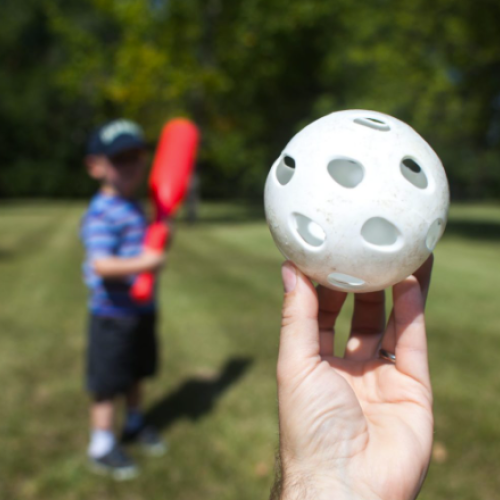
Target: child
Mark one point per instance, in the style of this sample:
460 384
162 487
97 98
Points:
122 348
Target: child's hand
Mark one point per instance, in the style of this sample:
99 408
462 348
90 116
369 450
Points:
148 261
152 260
356 427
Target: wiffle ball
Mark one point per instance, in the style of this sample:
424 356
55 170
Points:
357 200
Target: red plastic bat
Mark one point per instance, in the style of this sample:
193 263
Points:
168 182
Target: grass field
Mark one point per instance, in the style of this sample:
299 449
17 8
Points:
215 399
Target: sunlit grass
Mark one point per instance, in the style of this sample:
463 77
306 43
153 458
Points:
215 397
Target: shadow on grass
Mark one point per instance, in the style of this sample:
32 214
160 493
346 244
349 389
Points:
5 254
197 396
473 229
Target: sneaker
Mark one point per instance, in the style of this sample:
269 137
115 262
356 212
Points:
148 439
116 464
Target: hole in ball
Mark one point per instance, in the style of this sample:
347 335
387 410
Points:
434 234
311 232
285 170
342 280
348 173
379 231
373 123
289 161
413 173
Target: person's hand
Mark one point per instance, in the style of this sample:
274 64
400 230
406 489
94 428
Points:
152 260
356 427
113 267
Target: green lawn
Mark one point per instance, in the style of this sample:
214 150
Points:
215 399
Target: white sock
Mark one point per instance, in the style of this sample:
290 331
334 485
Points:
101 442
133 421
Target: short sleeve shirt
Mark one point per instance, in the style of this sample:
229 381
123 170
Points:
112 226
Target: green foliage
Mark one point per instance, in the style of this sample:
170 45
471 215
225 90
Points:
251 73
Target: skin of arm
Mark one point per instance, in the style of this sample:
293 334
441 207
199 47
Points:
119 267
353 426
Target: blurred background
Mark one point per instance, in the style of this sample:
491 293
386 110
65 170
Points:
251 74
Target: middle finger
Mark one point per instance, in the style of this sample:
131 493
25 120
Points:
367 327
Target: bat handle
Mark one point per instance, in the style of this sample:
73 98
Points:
142 289
156 238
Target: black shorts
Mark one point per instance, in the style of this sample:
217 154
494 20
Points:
121 351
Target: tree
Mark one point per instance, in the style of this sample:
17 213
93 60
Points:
251 73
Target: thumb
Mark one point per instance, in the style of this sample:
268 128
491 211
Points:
299 338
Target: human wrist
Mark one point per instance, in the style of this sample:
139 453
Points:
302 488
314 491
312 488
306 484
152 260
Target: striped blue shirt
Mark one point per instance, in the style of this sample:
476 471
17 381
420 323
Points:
112 226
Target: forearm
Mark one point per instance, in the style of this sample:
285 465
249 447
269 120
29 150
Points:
312 485
309 489
291 487
301 489
118 267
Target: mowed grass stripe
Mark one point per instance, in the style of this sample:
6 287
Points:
220 300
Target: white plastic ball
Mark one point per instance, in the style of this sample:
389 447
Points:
357 200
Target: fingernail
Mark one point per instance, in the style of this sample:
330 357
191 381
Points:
289 276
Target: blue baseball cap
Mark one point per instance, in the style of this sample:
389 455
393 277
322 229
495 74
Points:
115 137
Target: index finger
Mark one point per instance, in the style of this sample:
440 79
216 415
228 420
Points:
330 305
